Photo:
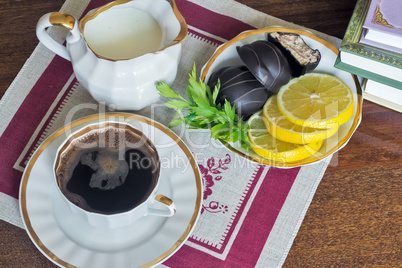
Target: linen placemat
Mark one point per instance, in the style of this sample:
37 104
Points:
250 213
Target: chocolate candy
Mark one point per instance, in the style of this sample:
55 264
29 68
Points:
300 56
240 88
267 63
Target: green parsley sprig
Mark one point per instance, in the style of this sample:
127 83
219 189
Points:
200 111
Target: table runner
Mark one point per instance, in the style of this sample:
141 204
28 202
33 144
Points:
250 213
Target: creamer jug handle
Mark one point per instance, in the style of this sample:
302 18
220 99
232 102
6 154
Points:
57 18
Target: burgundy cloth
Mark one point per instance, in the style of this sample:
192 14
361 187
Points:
260 217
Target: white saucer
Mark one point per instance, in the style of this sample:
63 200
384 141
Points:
70 242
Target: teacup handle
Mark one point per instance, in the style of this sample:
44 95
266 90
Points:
168 208
62 19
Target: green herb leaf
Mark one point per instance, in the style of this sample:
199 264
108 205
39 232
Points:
229 110
216 91
178 105
203 112
176 122
166 91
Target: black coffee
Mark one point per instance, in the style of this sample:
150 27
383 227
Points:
109 179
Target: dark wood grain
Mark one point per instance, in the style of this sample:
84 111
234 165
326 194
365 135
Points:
330 17
355 218
17 34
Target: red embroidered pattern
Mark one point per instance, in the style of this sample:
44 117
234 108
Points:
210 175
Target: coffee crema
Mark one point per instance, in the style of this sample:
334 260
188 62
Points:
108 169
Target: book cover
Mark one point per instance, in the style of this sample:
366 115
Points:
383 25
385 16
383 95
351 50
367 74
384 44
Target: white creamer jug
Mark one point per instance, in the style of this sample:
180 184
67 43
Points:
121 49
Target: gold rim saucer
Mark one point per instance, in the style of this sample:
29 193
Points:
49 142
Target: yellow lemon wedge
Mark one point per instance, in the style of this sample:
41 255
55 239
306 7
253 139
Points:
316 100
265 145
281 128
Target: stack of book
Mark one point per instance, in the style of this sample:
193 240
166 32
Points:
372 49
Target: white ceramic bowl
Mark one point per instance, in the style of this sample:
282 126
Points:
226 55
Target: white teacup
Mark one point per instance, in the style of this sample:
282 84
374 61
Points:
108 174
120 50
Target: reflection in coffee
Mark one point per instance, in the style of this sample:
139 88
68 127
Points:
108 178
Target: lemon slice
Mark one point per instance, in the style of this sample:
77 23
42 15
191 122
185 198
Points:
265 145
316 100
281 128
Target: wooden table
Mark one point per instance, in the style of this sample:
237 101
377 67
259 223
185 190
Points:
355 218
